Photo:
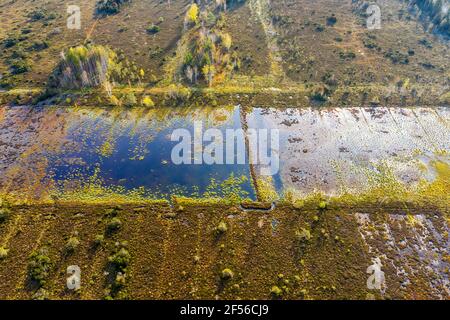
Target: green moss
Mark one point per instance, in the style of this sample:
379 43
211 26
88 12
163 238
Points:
4 214
303 234
111 213
228 191
147 102
129 100
120 260
299 204
71 245
3 253
39 266
153 29
222 227
113 225
323 205
276 292
106 149
99 239
19 66
41 294
120 280
266 189
227 274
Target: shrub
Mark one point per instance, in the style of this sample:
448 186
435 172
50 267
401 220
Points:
369 42
16 55
39 266
329 79
7 82
298 204
427 44
99 239
111 213
303 234
120 260
114 225
153 29
26 30
178 93
148 102
320 93
41 294
397 57
276 292
347 55
129 100
72 244
39 45
323 205
38 14
227 274
3 253
120 280
427 65
320 28
222 227
192 14
10 41
4 214
91 66
226 40
209 57
108 7
114 101
20 66
331 21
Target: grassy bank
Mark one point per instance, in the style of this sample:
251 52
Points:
234 93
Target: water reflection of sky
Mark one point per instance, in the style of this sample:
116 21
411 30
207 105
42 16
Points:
319 149
333 149
138 154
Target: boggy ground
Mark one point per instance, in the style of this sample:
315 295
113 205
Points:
293 252
288 51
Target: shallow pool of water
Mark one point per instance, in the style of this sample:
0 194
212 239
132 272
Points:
43 149
333 149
